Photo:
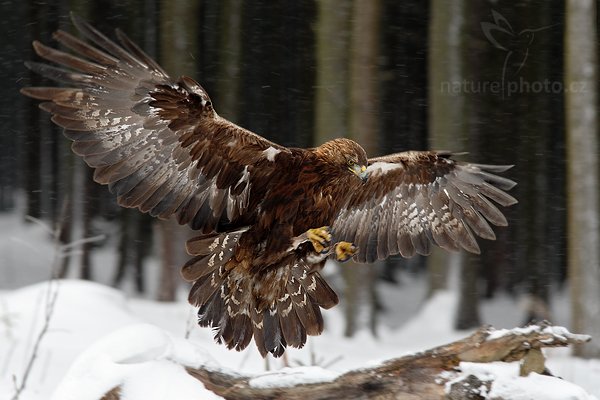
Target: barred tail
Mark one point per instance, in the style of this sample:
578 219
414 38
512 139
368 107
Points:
295 312
279 306
210 252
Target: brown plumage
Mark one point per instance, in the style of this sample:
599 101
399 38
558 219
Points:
160 147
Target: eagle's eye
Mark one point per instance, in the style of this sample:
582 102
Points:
358 170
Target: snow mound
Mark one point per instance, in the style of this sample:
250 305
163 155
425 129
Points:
144 361
83 313
98 340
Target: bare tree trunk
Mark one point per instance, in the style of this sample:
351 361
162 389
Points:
170 245
403 95
449 130
32 181
65 232
468 316
534 113
142 248
123 246
179 36
89 187
179 40
66 178
230 20
331 96
365 129
582 172
333 35
446 109
12 160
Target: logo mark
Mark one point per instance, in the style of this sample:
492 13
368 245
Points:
501 34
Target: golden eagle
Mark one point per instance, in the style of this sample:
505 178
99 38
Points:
269 216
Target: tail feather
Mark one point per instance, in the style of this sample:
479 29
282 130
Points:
211 252
208 244
257 330
302 287
309 315
207 287
211 311
242 332
279 307
195 268
234 328
291 327
323 294
274 341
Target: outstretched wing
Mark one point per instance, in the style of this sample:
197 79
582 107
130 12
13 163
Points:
157 143
413 199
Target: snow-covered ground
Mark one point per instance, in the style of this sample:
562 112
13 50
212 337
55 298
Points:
100 338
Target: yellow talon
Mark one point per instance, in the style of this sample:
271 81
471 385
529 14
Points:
320 238
345 251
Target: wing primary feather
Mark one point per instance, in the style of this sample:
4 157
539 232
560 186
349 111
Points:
83 48
498 181
492 168
500 197
138 52
60 75
478 224
66 59
47 93
489 211
101 40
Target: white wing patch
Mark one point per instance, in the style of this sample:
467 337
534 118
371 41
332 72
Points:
380 168
270 153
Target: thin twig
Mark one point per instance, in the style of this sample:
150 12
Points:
81 241
34 353
41 223
51 296
190 322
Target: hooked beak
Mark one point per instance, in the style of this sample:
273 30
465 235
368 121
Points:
361 172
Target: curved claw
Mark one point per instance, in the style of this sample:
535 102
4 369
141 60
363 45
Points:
320 238
344 251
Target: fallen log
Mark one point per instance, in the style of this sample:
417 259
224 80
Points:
437 373
417 376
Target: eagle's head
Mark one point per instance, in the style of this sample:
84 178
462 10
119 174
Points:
345 154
